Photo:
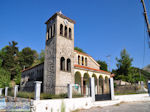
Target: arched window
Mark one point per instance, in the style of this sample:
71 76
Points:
61 29
78 60
65 31
54 30
51 32
62 63
47 34
85 61
82 60
70 33
69 65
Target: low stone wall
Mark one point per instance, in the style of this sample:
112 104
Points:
126 89
61 105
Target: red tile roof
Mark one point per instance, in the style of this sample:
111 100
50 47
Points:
85 67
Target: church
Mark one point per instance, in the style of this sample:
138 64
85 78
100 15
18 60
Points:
63 65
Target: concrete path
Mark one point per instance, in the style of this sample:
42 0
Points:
122 107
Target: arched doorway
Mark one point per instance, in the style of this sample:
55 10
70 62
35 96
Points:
86 90
77 78
106 85
101 86
95 79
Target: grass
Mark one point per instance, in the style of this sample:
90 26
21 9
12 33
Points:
130 93
30 95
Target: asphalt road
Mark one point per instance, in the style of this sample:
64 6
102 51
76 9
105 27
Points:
123 107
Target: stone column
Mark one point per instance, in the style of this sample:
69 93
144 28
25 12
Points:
37 90
1 90
82 85
6 91
15 90
97 85
112 88
92 88
69 91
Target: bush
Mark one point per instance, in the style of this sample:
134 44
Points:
4 78
52 96
29 95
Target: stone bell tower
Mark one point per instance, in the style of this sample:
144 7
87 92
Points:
59 53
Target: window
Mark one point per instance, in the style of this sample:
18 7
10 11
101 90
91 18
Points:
61 29
51 32
78 60
70 33
69 65
54 30
62 63
65 31
47 34
82 60
85 61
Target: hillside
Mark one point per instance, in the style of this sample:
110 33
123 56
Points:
147 68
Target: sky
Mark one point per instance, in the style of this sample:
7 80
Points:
103 27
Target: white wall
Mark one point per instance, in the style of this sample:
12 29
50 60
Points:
56 105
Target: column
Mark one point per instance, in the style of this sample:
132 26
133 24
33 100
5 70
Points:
112 88
92 88
6 91
37 90
1 89
69 91
15 90
97 85
82 85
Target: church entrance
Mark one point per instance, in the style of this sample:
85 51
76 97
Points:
84 87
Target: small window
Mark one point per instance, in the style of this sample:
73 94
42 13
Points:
51 32
62 63
85 61
68 65
82 60
54 30
47 34
61 29
70 33
65 31
79 60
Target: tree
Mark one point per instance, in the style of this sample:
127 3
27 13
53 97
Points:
27 57
9 56
103 65
123 66
79 49
42 56
4 76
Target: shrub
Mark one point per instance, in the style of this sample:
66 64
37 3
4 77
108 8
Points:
29 95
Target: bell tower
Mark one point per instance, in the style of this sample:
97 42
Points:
59 54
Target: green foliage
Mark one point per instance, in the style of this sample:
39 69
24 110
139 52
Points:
29 95
103 65
79 49
42 56
18 75
123 66
4 78
27 57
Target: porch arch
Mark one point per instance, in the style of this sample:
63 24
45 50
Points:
101 85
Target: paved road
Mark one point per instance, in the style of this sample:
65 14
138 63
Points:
123 107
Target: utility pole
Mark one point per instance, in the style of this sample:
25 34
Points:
146 17
108 57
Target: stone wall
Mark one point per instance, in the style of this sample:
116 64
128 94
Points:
30 75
